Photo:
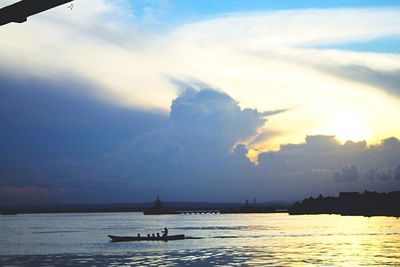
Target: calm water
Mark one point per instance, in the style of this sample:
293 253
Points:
261 239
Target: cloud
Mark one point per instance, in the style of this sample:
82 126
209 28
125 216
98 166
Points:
387 80
379 174
34 106
397 172
383 174
85 42
250 62
51 131
347 174
267 61
322 164
274 112
197 148
196 153
214 116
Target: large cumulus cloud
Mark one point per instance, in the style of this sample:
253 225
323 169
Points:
212 117
198 152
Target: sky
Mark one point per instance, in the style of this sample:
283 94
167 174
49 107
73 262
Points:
120 101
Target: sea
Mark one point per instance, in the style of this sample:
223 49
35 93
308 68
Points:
276 239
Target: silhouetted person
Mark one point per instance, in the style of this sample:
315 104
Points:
138 235
158 234
165 232
148 235
153 235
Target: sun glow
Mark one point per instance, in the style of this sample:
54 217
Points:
347 128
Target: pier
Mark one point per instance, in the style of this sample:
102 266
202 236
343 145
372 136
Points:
199 212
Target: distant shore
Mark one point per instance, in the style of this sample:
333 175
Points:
181 207
347 203
352 204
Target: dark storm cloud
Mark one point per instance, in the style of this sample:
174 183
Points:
48 129
347 174
41 120
61 145
322 164
194 155
384 174
378 174
397 172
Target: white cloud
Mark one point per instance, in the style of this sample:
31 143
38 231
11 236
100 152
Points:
296 27
260 59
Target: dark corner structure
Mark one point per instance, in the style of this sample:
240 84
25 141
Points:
20 11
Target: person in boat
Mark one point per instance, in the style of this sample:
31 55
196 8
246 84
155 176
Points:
138 235
165 232
158 234
152 235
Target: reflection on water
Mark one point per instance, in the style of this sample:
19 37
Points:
234 239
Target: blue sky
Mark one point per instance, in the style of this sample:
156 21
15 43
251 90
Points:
173 12
166 15
183 10
382 45
221 100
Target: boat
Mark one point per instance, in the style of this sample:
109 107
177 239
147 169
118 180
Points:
159 209
115 238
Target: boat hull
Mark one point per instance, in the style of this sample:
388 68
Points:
115 238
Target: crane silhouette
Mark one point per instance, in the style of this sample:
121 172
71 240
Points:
20 11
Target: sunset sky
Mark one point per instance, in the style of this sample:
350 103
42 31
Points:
213 100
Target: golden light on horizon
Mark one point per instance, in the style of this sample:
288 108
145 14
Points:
348 128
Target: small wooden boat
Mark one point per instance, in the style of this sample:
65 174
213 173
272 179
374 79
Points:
115 238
